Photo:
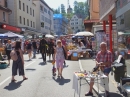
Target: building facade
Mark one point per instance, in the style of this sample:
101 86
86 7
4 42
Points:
23 15
123 28
44 17
94 9
4 12
76 24
60 24
122 15
107 16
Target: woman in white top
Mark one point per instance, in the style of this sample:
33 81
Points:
60 57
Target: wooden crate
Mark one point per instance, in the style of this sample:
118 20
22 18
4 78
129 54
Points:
74 56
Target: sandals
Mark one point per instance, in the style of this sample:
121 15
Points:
25 78
13 80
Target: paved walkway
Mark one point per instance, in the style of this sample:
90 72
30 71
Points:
88 64
40 82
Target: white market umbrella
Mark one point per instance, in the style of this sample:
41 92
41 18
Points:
120 33
49 36
85 33
13 35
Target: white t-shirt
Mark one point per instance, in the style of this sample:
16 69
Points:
22 46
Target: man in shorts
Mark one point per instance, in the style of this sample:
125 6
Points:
104 61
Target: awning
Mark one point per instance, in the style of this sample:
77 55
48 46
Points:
123 33
13 35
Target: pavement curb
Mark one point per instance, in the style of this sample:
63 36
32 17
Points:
94 87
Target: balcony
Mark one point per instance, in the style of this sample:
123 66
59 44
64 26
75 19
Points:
107 7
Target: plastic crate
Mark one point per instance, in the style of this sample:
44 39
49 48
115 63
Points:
3 66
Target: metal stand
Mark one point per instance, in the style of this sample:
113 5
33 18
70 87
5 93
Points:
97 78
80 86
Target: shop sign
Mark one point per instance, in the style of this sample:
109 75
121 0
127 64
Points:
11 28
92 21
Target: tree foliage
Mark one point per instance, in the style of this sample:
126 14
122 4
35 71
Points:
80 8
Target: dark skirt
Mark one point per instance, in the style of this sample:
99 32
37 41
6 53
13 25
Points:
50 51
17 65
8 54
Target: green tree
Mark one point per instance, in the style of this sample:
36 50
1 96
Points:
81 9
56 11
63 8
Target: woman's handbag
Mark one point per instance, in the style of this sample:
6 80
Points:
64 52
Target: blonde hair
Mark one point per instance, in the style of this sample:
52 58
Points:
58 41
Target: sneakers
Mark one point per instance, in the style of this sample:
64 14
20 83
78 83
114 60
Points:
89 94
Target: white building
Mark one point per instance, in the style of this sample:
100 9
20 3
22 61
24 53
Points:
44 17
23 15
76 24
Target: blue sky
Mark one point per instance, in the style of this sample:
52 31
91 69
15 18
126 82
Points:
56 3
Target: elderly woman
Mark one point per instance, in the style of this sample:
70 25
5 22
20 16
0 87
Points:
60 57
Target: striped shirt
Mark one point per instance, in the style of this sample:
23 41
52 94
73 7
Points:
106 57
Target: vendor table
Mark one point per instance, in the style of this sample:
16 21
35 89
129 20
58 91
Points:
79 50
77 77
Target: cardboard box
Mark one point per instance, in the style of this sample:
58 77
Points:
74 56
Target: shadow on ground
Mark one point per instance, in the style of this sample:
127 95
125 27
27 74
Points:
65 66
112 95
30 69
27 60
42 63
61 81
13 85
49 61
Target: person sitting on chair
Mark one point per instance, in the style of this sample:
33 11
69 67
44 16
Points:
104 61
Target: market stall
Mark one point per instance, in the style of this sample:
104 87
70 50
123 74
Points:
76 52
100 78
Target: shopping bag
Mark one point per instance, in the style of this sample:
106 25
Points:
53 68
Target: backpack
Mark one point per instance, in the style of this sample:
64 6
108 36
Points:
13 55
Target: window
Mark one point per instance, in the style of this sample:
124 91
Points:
33 13
27 22
20 19
27 8
45 19
23 7
41 7
19 4
72 27
24 21
4 17
42 17
72 23
49 12
30 11
6 3
33 24
45 10
76 23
